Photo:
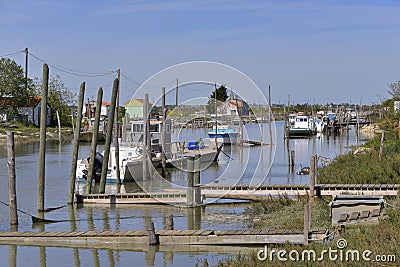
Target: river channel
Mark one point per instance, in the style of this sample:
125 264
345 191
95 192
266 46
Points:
266 164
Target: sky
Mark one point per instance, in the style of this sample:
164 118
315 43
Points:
316 51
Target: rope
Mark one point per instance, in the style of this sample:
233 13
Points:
42 220
226 154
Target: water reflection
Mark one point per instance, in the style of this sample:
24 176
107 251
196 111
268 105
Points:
134 217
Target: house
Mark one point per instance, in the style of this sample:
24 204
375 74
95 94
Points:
91 106
30 112
236 107
134 109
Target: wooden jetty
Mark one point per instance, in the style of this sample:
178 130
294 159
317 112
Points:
242 192
116 238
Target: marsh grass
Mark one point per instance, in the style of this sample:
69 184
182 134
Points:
363 168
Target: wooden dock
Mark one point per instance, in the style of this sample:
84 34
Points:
115 239
242 192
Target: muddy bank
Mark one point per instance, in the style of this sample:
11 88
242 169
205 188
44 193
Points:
32 134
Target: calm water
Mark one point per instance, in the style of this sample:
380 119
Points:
254 165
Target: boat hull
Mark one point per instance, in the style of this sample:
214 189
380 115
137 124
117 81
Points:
299 132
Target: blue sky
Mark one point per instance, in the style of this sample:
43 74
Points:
314 51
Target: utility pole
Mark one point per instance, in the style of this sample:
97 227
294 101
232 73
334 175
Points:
176 92
26 67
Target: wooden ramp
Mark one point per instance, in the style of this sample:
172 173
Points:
166 237
241 192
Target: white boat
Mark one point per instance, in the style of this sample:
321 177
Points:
223 134
303 126
181 151
130 164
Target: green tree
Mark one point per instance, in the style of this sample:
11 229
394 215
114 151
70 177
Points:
14 86
220 94
60 98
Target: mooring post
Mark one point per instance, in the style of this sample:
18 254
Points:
196 169
93 145
12 192
77 133
170 222
145 137
190 177
151 232
110 125
292 156
317 190
59 127
116 132
42 146
312 177
306 223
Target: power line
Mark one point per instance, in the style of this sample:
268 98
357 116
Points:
11 54
147 86
71 71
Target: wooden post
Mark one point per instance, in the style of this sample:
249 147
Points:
77 133
151 232
145 137
190 169
107 145
306 223
170 222
312 177
59 127
164 114
269 114
382 143
12 192
42 147
292 156
116 132
73 123
196 168
93 145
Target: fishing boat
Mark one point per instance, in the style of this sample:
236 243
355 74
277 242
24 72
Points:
130 164
223 134
207 150
303 126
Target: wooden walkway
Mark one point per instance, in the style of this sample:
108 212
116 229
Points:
166 237
241 192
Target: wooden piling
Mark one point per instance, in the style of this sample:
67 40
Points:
93 145
306 223
77 133
116 132
110 126
12 192
196 174
42 146
292 156
170 222
190 177
145 137
151 232
269 114
312 177
59 127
